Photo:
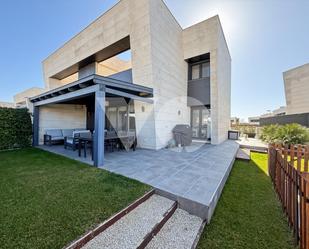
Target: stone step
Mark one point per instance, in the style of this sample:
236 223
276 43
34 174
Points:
132 229
243 154
181 231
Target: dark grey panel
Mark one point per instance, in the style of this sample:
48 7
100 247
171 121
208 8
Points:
99 127
35 125
199 58
199 92
124 76
302 119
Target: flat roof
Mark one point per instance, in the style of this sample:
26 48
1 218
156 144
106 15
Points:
113 86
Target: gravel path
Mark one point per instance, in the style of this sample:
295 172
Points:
130 230
178 232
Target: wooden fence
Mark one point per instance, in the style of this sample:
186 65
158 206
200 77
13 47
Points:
288 169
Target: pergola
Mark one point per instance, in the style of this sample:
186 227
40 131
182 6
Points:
99 86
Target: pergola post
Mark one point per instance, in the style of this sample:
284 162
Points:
99 127
35 126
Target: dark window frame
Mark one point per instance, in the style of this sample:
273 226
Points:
200 63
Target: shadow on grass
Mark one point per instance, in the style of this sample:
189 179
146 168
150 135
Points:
248 214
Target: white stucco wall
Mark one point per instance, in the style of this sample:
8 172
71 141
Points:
61 116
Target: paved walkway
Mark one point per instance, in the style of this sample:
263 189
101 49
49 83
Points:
194 177
197 174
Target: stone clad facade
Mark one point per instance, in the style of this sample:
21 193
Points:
160 50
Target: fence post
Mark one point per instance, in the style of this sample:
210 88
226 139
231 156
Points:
306 232
270 163
299 156
306 158
292 153
292 186
304 218
285 166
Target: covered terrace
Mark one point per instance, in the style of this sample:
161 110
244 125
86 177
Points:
95 93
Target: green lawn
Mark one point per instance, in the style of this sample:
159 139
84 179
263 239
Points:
46 200
248 214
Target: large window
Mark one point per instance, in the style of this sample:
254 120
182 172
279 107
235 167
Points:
120 118
200 70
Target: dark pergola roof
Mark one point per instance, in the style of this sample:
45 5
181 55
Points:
84 86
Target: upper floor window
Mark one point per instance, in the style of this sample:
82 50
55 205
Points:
200 70
205 70
195 72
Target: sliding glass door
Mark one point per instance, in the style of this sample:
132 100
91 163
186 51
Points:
120 118
201 123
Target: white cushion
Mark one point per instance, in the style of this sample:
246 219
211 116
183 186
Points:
69 140
56 138
54 132
84 133
67 132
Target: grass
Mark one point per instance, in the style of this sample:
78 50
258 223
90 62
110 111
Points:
248 214
48 201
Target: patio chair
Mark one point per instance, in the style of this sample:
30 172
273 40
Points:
53 136
110 142
72 141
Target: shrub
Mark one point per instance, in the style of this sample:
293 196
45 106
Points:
15 128
269 133
285 134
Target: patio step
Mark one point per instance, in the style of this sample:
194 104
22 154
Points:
135 229
181 231
243 154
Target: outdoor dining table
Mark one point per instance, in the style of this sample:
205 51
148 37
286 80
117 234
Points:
124 138
84 142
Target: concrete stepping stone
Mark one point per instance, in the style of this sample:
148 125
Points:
131 229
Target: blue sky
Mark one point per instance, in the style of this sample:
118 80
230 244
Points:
265 38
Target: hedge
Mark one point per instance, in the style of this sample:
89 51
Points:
15 128
286 134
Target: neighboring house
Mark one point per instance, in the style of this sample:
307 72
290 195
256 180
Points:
176 76
21 99
296 86
234 121
281 111
254 120
7 104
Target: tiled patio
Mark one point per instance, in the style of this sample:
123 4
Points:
194 176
